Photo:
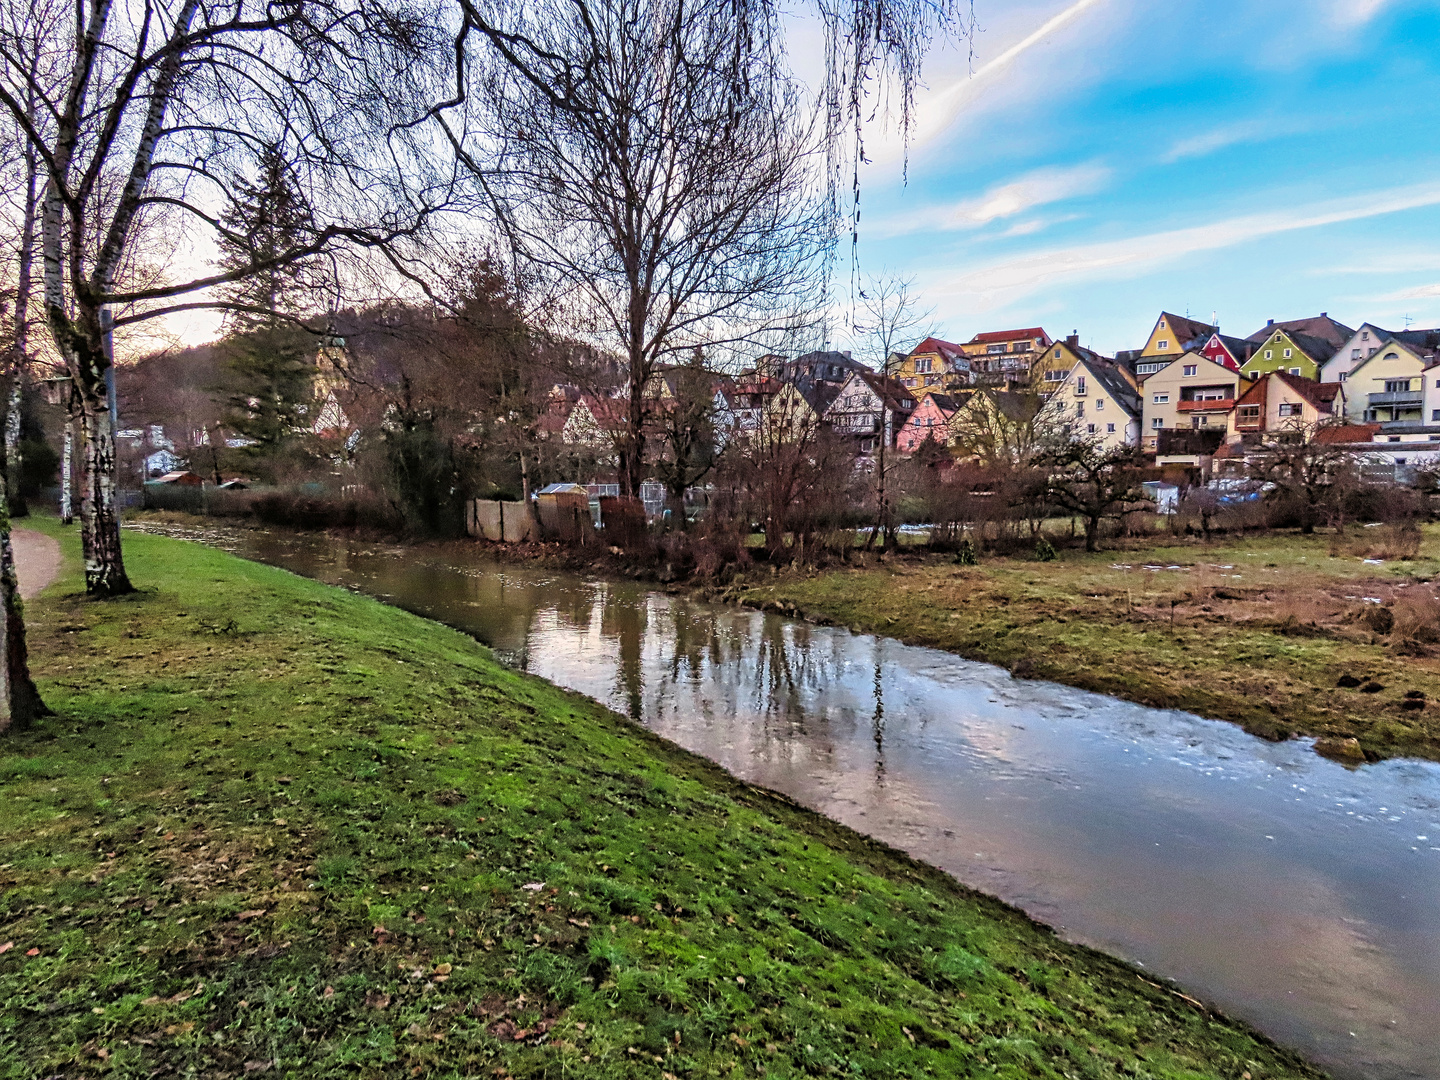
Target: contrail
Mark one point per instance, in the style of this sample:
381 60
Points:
945 103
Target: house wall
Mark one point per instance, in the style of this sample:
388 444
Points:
1053 366
1271 356
1094 413
1170 384
1163 340
1366 341
1390 364
926 422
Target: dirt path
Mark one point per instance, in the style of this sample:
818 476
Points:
37 560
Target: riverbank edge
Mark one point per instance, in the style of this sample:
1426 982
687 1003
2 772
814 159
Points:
1012 959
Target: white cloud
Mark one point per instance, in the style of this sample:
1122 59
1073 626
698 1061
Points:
1207 142
1006 279
1025 193
1419 292
1350 13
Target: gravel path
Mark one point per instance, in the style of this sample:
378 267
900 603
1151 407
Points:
37 560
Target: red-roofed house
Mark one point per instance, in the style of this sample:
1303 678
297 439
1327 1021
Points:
930 420
933 365
1278 403
1003 354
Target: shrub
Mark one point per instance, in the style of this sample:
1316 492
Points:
1416 618
965 556
1044 550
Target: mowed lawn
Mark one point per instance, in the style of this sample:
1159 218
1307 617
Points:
277 829
1255 630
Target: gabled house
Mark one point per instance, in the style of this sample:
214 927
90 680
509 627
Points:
1355 350
1006 355
596 424
1291 351
1096 403
1171 336
997 427
744 401
825 366
870 407
1191 391
797 408
1055 363
1231 352
929 421
1279 406
1389 385
932 365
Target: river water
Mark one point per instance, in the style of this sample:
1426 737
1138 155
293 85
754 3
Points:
1285 888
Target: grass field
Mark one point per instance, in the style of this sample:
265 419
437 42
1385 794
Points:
1257 630
276 828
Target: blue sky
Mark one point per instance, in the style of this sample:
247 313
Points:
1112 158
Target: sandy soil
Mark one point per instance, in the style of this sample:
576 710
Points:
37 560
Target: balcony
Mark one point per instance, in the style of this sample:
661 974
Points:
1203 405
1412 399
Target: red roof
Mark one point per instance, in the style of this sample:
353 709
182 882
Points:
1029 333
1347 433
936 345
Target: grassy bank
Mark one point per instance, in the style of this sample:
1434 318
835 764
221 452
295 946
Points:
276 828
1257 631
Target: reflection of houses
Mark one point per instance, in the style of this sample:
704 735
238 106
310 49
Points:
1279 405
869 406
930 421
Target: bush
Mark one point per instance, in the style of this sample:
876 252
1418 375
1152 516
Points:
965 556
1416 618
1044 550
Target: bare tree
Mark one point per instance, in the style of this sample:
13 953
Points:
143 116
888 317
1314 476
654 171
1092 481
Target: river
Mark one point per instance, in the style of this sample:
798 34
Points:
1287 889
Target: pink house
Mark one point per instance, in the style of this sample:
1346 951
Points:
930 420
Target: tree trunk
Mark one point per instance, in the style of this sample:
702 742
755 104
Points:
99 509
67 471
1092 530
19 700
12 446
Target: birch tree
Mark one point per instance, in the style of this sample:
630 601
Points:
147 111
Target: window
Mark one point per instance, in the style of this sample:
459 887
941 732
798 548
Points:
1023 346
1269 354
1162 344
1162 399
1354 354
1435 415
1249 412
923 365
1364 335
1147 369
1344 375
1080 385
1099 404
1091 430
1158 423
1294 371
1397 386
1394 438
1190 369
1289 408
1392 356
993 349
1110 429
1289 353
1079 408
1055 376
1057 354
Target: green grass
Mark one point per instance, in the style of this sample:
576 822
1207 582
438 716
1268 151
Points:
1268 658
274 825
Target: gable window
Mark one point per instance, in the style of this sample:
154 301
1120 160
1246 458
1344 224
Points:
1091 429
1345 375
1364 335
1289 353
1392 356
922 366
1079 408
1162 325
1190 369
1110 429
1099 404
1147 369
1269 354
1080 385
1162 344
1354 354
1162 399
1289 408
1057 354
1055 376
1294 371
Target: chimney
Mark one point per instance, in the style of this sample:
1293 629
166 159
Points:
1073 340
1269 322
847 355
1324 314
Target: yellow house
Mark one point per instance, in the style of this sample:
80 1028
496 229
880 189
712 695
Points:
1171 336
1059 359
1191 391
1095 403
932 365
1389 386
795 411
1291 352
1279 405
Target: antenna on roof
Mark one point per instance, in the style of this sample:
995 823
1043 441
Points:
1408 321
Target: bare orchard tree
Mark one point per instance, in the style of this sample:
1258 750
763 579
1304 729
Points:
142 116
1300 469
1092 481
659 176
888 318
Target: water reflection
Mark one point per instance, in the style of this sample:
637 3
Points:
1294 893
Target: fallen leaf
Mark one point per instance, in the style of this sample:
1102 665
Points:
740 979
7 946
251 914
32 952
279 821
443 969
181 1029
153 999
257 1066
329 992
375 1000
534 886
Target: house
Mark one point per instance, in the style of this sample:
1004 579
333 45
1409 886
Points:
1291 351
1360 346
1322 327
867 405
1171 336
795 410
1056 362
1389 385
825 366
740 405
1231 352
183 478
596 424
932 365
1278 405
930 420
1006 355
994 427
1191 391
1096 403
